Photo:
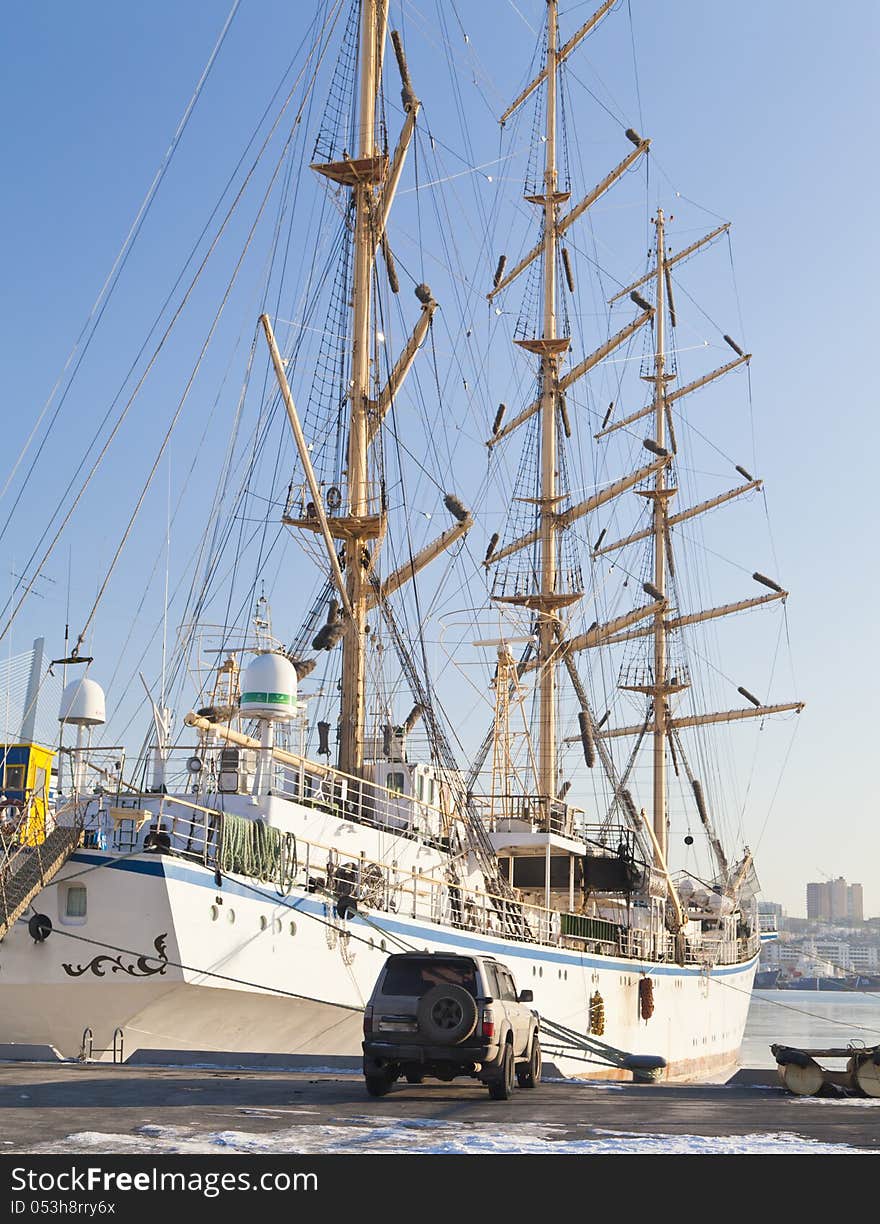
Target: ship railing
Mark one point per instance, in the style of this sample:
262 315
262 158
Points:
193 831
301 506
537 813
311 784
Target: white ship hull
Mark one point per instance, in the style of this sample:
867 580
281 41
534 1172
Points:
239 969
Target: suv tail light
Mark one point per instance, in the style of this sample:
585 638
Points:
487 1024
368 1021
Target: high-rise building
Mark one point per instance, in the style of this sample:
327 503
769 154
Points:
835 901
838 898
818 901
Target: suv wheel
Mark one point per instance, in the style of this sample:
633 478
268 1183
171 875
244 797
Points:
447 1014
414 1077
501 1089
378 1085
528 1074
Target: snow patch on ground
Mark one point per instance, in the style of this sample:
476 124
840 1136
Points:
367 1134
841 1100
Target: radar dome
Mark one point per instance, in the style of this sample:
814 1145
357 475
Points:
268 688
82 703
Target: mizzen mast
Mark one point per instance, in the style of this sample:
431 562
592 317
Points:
661 495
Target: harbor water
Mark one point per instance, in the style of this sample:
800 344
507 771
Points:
808 1019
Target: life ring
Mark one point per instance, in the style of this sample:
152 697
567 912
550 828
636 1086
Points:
597 1014
11 816
334 498
646 998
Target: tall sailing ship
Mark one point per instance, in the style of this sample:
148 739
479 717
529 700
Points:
234 892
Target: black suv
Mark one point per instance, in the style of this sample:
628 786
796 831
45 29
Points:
443 1015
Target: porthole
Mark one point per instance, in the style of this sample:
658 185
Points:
540 971
534 970
277 926
77 899
264 922
215 912
230 916
293 928
382 945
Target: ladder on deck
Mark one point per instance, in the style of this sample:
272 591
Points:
27 869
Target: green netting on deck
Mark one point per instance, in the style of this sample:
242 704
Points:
252 848
582 927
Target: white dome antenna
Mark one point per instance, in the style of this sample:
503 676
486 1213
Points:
82 706
268 694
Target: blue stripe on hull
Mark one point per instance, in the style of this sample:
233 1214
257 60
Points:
173 869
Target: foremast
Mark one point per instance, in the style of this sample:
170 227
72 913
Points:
357 518
374 15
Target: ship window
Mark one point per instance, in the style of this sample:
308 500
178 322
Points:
14 778
394 782
429 790
76 901
419 785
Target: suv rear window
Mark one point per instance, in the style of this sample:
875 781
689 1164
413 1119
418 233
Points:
412 978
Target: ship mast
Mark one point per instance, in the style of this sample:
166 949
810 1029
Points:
661 495
358 519
351 727
548 595
549 391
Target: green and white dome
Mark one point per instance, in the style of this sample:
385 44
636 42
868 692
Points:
268 688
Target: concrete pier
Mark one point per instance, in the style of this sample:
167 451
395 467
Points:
104 1108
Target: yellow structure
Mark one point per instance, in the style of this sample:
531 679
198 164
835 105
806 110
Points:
25 774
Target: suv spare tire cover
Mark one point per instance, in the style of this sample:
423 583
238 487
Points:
447 1014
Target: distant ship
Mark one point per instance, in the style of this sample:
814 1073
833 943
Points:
767 979
851 982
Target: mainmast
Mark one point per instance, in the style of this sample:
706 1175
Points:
549 391
553 587
532 569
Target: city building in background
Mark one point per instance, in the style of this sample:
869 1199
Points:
833 948
834 900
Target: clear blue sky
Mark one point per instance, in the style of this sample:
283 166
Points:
761 113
